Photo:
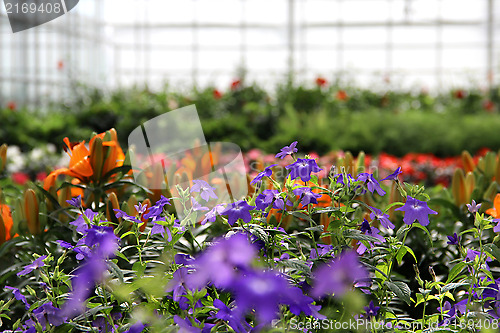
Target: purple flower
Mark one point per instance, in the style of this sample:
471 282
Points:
103 240
238 210
371 231
306 196
80 223
383 218
224 312
75 202
65 244
206 191
371 310
275 196
196 205
497 227
19 296
47 313
452 310
338 275
120 213
212 214
263 201
219 263
492 293
416 210
453 240
394 175
303 168
82 285
179 286
371 183
160 229
322 250
266 173
472 254
104 327
138 327
287 150
157 209
37 263
340 179
141 209
473 207
82 250
263 292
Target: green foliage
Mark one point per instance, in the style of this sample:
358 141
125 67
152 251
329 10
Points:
396 122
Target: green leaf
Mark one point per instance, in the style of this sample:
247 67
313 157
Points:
451 286
116 270
392 205
139 268
455 271
418 225
410 251
261 234
298 265
400 255
401 231
401 289
126 234
381 271
356 234
493 250
303 216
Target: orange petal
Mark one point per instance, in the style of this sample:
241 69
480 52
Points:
496 202
492 212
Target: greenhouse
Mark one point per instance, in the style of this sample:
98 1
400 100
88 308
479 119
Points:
249 166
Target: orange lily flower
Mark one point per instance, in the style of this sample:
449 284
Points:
79 166
495 212
6 223
105 154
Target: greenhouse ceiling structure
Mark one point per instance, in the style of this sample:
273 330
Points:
428 44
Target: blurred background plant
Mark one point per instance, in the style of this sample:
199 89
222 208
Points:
326 117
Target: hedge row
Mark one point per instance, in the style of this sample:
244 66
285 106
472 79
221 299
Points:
322 117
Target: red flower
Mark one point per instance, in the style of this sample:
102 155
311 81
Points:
60 65
235 84
41 176
460 94
489 106
20 178
12 106
341 95
321 82
217 94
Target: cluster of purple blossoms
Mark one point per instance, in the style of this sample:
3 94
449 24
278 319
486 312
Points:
227 265
371 231
268 197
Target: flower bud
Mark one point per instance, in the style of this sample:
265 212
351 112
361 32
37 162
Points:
3 156
468 162
111 204
96 158
458 187
31 211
